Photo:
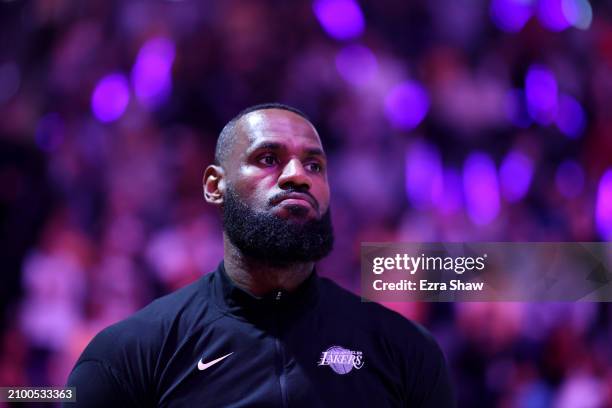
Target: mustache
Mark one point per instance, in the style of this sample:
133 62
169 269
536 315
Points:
287 193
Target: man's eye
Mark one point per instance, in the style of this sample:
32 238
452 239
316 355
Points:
268 160
314 167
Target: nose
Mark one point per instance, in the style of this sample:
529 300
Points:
294 175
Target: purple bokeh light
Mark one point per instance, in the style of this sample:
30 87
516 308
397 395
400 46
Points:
406 105
542 92
510 15
481 188
578 13
571 119
603 207
569 179
356 64
341 19
451 199
152 71
515 176
551 15
423 174
110 97
516 108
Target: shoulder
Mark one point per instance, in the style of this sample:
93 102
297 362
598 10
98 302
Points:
124 357
377 319
142 334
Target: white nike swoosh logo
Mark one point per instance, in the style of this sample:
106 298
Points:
203 366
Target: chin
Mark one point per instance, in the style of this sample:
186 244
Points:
295 212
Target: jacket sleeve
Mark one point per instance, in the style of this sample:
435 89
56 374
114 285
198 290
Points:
96 385
432 386
115 368
436 387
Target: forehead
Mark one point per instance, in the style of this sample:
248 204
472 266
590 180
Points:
278 125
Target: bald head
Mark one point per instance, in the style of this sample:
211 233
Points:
228 134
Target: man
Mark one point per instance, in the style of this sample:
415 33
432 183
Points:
264 329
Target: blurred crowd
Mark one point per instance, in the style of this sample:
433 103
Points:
446 120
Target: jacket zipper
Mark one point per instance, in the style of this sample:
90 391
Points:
282 378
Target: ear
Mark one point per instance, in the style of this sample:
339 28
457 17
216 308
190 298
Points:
213 183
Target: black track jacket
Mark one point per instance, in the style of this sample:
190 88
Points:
211 344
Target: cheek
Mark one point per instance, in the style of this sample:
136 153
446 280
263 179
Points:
321 193
254 190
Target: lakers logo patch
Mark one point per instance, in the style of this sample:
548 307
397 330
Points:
341 360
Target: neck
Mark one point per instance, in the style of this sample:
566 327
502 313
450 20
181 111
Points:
259 278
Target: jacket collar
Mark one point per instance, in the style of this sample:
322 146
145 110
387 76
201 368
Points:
237 301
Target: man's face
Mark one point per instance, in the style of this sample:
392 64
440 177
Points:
276 203
277 165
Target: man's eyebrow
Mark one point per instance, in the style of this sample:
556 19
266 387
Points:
266 146
311 151
315 151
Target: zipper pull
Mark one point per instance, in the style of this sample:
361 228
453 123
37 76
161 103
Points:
279 294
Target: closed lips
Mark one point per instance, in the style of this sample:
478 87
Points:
296 196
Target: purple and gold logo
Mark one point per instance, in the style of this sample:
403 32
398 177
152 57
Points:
341 360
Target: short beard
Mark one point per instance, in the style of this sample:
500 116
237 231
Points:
272 240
